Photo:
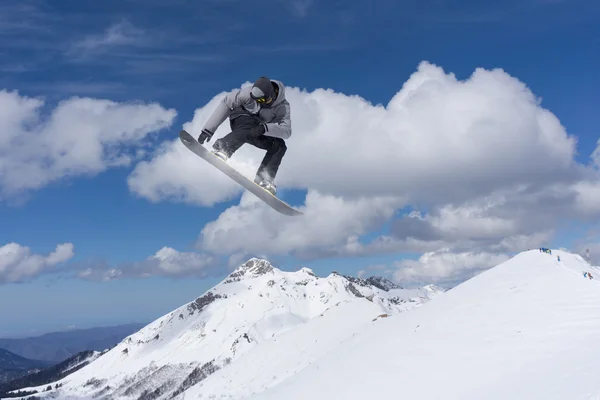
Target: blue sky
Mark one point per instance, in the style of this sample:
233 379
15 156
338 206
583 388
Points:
181 54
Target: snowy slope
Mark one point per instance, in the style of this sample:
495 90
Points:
526 329
251 309
274 361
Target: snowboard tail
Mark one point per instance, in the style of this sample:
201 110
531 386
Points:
273 201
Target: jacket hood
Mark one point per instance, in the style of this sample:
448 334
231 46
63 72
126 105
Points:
281 96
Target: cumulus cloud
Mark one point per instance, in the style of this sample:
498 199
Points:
438 140
587 195
356 246
80 136
336 227
508 221
596 155
481 162
466 221
18 264
252 227
176 174
589 247
166 262
444 267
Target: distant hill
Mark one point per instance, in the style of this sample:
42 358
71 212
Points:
13 366
48 375
59 346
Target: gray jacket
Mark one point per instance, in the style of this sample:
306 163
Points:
276 116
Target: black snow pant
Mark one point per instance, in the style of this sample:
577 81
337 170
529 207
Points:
244 130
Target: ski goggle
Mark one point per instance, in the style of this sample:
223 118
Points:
261 100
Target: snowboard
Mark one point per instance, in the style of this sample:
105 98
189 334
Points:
273 201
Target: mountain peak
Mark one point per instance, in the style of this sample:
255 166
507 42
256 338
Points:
377 281
252 268
308 271
383 283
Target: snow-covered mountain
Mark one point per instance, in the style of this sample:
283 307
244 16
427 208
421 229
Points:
526 329
245 320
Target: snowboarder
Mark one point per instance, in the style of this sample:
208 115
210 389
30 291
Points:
258 115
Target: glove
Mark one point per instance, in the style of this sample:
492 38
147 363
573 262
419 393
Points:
205 136
260 129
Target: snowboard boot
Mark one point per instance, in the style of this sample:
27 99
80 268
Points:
269 187
266 184
219 152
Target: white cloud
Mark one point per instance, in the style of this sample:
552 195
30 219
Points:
252 227
354 247
444 267
166 262
503 222
596 155
100 274
176 174
335 227
81 136
517 243
470 220
122 33
18 264
588 198
589 248
438 140
493 169
170 262
300 7
587 190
